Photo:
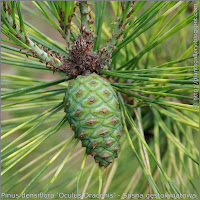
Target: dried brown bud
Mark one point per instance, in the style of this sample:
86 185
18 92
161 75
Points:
91 21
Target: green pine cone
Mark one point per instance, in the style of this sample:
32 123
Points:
92 110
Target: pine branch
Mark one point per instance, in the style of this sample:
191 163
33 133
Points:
21 35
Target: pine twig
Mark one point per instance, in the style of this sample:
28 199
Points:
21 34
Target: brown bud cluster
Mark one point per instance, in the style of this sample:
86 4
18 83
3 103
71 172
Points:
82 60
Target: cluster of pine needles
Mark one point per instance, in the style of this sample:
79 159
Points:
145 50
